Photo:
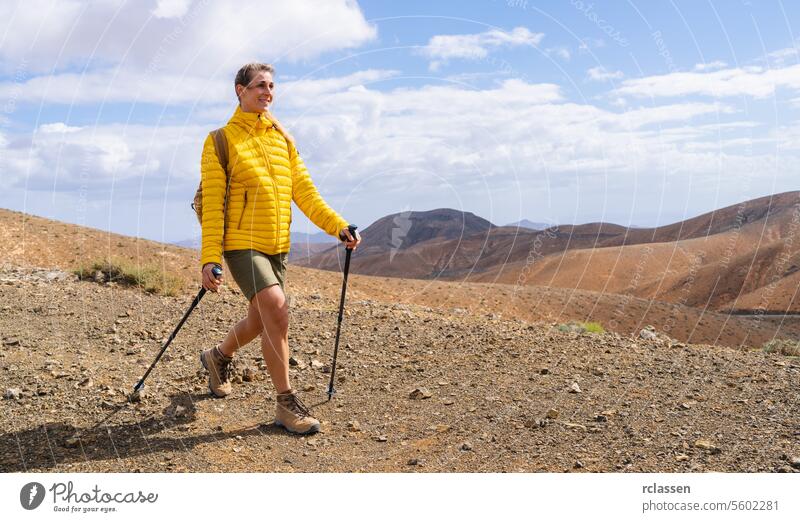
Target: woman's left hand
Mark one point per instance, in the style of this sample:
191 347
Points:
350 241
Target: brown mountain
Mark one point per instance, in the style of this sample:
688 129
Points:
400 245
738 257
742 257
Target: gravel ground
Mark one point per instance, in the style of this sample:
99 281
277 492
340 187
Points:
419 390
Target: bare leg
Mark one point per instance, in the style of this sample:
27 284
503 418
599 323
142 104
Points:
242 333
270 309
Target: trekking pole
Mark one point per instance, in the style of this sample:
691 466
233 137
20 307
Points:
331 390
217 271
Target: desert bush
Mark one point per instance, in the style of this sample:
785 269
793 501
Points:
577 327
150 278
783 347
594 327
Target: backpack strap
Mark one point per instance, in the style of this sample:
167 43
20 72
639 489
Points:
221 148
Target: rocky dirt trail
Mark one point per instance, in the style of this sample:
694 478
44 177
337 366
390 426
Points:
419 389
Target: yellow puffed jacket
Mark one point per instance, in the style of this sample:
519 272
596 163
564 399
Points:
267 174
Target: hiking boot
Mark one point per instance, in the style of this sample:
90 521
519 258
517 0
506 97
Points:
219 372
293 415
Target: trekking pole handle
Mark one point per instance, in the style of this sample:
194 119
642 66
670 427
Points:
217 271
352 229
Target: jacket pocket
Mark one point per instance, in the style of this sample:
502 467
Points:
241 216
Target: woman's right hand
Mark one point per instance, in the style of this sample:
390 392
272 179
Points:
209 281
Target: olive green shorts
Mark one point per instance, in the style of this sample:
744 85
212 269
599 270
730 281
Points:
253 270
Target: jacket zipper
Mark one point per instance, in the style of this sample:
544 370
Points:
275 193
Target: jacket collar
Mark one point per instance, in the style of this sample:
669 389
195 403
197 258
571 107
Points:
250 120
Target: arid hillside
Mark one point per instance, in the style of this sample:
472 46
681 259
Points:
741 257
66 246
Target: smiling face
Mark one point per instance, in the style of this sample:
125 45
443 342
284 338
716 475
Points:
257 95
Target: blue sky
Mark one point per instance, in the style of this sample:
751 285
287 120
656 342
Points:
639 113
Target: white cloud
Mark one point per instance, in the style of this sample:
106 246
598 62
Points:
348 130
757 82
293 92
442 48
710 66
55 128
561 52
600 74
89 158
171 8
781 56
199 38
108 86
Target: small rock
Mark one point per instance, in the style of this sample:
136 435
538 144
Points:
316 365
10 341
72 442
552 413
86 383
413 462
466 446
353 425
544 371
309 387
681 457
419 394
534 424
180 411
648 333
574 388
578 464
707 445
601 418
13 394
572 425
795 462
248 375
381 438
297 363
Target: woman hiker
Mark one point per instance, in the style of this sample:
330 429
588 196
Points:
266 174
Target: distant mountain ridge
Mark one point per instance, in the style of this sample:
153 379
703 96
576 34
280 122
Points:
746 256
527 223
